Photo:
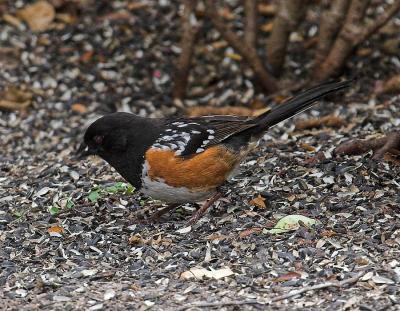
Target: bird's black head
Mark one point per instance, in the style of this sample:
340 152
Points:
107 135
122 140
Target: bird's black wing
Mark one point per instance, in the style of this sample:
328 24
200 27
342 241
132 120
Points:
189 136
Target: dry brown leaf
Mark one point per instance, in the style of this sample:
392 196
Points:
66 18
249 231
15 99
80 108
329 121
287 277
234 56
219 44
12 20
9 57
361 261
132 6
199 273
267 9
307 147
216 237
121 15
363 52
391 46
392 159
87 56
226 14
391 86
38 15
136 240
258 202
267 27
328 233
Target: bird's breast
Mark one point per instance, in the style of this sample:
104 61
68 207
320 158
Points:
172 178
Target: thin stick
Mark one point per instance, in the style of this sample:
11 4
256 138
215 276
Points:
380 21
289 15
392 142
291 294
330 23
189 32
250 23
352 34
248 53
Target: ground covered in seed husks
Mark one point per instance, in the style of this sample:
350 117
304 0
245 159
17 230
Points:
69 235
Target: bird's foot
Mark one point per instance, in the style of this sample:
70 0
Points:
200 212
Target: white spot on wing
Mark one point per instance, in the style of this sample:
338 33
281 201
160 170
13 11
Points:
205 143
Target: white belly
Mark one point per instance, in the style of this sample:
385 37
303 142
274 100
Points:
159 190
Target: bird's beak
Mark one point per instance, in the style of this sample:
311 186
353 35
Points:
83 151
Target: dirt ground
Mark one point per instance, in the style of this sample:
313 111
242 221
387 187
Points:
69 234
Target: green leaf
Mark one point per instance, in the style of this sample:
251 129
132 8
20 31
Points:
17 214
54 210
94 196
289 223
112 189
121 185
70 203
130 189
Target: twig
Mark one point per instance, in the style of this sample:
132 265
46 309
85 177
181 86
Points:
328 121
291 294
380 146
380 21
289 15
248 53
352 34
359 146
250 23
221 304
345 42
330 23
392 142
189 32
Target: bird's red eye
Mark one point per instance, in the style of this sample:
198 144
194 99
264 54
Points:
98 139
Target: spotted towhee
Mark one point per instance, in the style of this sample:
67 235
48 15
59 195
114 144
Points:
180 160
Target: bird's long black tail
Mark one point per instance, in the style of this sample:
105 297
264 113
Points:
297 104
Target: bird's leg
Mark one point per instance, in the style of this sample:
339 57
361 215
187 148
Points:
158 214
200 212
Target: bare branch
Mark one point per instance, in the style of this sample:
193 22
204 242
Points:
392 142
380 146
353 33
356 12
250 25
189 32
289 15
291 294
330 23
248 53
380 21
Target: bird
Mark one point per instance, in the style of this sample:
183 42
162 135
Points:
187 159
